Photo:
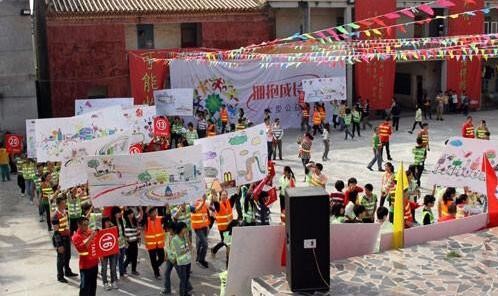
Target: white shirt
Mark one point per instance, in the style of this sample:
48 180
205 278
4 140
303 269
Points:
454 98
348 211
325 135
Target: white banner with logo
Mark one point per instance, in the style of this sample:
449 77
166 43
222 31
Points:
31 138
90 105
460 164
174 102
249 86
140 119
325 89
146 179
73 167
236 158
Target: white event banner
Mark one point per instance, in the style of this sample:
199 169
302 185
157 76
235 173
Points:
147 179
236 158
73 167
91 105
140 120
460 164
249 85
31 138
325 89
174 102
53 134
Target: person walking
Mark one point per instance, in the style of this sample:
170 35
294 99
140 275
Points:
170 259
278 134
154 239
223 209
287 180
89 264
385 132
47 194
4 164
305 151
395 113
377 151
418 118
200 225
74 210
365 115
335 113
326 141
132 235
109 262
117 220
62 240
181 248
356 119
424 135
305 117
317 119
29 174
20 160
348 118
419 154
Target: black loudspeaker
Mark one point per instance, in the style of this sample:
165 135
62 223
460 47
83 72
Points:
307 228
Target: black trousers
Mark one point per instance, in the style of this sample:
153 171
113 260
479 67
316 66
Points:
64 258
419 169
156 259
73 225
220 244
356 127
131 255
415 124
46 209
201 133
269 147
396 123
88 281
388 152
21 184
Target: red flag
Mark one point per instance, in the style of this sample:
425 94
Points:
491 183
272 196
107 242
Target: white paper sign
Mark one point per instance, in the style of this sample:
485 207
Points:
53 134
325 89
85 106
174 102
147 179
31 138
73 167
140 119
460 164
239 157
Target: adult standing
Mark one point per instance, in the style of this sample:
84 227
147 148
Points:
88 264
468 128
305 117
4 164
278 134
61 240
224 216
465 103
132 237
326 141
305 150
154 239
395 113
439 106
269 138
385 132
317 119
427 108
200 224
356 113
454 102
377 151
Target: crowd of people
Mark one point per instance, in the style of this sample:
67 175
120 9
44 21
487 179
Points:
167 232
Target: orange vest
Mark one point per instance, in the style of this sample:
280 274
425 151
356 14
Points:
306 112
224 215
425 138
200 218
317 118
384 133
468 131
224 115
154 234
408 213
323 114
211 131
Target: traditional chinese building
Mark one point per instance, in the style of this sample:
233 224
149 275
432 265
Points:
87 42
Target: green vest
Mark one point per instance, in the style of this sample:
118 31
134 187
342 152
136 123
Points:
74 208
93 221
481 133
191 136
184 216
356 116
347 119
419 155
55 177
20 165
181 250
37 181
428 213
47 193
28 171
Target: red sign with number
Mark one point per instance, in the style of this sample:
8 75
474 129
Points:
106 242
13 143
135 149
161 126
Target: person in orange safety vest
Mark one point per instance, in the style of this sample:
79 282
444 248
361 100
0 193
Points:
200 224
154 237
224 118
385 131
223 210
468 128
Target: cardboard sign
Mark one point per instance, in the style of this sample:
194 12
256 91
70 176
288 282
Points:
106 242
13 143
161 126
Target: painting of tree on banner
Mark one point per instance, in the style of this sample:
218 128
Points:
148 179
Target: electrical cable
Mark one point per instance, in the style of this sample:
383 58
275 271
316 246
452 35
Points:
327 283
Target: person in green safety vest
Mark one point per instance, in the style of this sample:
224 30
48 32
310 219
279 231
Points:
356 113
427 215
29 175
419 155
74 210
181 247
47 194
20 160
170 257
94 218
348 117
182 213
248 206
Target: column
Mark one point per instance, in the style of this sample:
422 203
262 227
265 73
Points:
348 18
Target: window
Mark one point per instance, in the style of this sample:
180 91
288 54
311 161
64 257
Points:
97 92
403 84
191 35
339 21
145 36
419 29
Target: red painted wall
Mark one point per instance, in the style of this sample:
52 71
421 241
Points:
230 35
82 57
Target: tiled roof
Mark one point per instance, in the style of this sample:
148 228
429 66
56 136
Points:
90 7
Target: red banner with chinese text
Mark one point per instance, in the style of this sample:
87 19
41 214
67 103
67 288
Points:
374 81
147 73
465 74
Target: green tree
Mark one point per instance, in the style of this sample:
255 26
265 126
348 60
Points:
144 177
94 164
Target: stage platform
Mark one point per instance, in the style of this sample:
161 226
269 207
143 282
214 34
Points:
461 265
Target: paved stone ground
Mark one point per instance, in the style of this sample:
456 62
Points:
27 260
461 265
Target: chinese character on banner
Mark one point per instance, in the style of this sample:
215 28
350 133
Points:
135 149
161 126
13 143
107 242
300 98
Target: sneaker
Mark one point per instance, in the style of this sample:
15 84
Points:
62 280
114 285
164 292
107 287
370 168
158 277
204 264
135 272
410 132
71 274
382 170
41 219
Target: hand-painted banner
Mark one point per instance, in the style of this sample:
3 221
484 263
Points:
325 89
250 86
13 143
236 158
171 102
85 106
140 119
31 138
53 134
147 179
460 164
73 167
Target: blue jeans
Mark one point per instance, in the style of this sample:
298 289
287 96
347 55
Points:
30 188
121 257
167 276
5 172
183 272
111 261
201 244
